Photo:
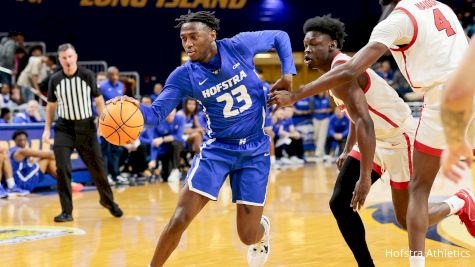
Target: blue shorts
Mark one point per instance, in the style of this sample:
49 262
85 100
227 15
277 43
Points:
247 165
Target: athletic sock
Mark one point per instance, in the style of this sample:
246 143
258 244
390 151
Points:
10 182
417 261
455 204
272 160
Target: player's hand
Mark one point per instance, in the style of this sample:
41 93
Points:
46 135
362 188
341 159
157 142
124 98
284 83
281 99
152 164
450 162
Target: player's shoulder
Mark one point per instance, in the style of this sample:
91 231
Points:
12 150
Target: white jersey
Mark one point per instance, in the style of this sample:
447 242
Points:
389 112
437 46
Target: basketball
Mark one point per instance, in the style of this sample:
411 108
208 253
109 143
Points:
121 123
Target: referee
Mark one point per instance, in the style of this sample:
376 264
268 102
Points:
70 92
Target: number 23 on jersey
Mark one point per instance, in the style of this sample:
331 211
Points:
241 95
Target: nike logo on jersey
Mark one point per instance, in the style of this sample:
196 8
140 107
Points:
236 65
266 154
202 82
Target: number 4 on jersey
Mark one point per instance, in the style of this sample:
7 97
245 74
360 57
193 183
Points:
441 23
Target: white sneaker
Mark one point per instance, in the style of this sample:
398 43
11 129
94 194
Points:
258 254
174 176
286 161
109 179
122 180
296 160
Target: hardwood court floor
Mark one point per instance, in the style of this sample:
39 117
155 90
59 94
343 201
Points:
304 232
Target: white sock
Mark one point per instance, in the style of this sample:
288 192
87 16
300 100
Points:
272 160
417 261
455 204
10 182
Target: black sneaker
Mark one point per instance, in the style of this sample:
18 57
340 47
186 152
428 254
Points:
114 210
64 217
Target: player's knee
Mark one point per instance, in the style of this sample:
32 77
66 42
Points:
179 221
337 204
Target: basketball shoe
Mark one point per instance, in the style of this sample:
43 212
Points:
467 213
257 254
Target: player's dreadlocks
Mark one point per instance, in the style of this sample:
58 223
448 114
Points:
328 25
205 17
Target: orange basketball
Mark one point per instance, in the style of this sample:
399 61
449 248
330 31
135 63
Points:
121 123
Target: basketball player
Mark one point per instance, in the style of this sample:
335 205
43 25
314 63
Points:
220 76
428 42
380 121
29 164
457 112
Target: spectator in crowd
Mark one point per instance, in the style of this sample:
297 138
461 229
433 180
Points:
31 115
29 165
16 98
5 95
338 130
385 71
321 117
287 137
157 89
138 152
167 145
111 88
193 134
7 172
50 68
303 110
101 77
7 55
29 79
5 116
21 60
130 86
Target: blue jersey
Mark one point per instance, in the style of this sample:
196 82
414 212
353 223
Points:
26 175
110 90
305 104
227 87
322 103
175 129
339 125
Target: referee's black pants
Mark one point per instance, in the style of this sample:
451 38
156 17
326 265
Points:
82 136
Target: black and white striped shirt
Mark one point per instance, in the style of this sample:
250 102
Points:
74 94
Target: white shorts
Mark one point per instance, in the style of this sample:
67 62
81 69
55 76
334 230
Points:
430 138
394 156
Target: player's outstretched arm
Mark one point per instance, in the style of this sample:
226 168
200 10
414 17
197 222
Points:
336 77
457 103
251 43
177 87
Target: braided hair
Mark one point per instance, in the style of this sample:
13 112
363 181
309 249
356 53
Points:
205 17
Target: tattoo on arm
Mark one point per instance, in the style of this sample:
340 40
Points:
454 123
